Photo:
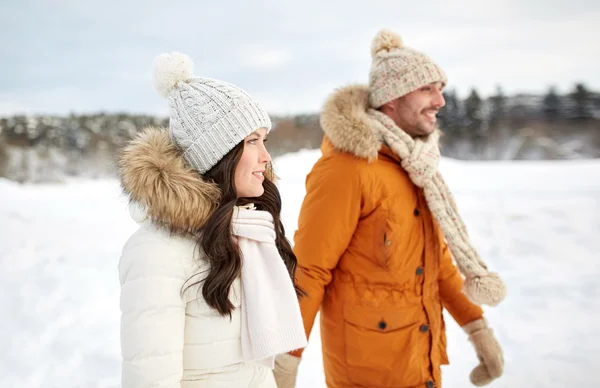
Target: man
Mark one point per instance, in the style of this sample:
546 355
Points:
376 232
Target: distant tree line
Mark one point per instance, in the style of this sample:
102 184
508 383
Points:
524 126
498 127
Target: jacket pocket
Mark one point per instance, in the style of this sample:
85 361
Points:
384 347
370 238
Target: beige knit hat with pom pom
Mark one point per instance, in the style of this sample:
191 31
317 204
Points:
397 70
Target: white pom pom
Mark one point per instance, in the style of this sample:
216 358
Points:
385 39
170 69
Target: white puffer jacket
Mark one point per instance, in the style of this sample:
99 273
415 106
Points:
171 338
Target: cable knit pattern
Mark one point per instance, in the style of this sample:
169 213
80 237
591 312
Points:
208 117
420 158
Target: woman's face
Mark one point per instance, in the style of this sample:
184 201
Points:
249 172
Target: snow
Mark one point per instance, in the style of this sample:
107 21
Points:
536 223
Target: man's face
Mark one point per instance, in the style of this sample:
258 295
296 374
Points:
415 113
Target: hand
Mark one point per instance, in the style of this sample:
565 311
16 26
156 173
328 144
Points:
488 351
286 370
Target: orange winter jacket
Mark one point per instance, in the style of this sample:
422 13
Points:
373 260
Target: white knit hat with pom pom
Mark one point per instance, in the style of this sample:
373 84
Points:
208 117
397 70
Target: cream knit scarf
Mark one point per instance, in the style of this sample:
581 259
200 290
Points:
420 158
271 319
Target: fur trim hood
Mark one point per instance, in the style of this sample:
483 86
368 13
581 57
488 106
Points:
347 124
154 175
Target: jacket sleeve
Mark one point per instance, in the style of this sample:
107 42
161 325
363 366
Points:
328 217
152 317
451 284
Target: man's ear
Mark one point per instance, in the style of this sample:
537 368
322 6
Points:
389 106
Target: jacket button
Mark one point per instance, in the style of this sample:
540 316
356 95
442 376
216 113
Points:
417 212
382 325
424 328
388 242
420 271
430 384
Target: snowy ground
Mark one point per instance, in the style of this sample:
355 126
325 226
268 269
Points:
537 224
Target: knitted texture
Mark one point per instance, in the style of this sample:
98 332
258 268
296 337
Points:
420 159
271 318
286 370
397 70
207 117
489 353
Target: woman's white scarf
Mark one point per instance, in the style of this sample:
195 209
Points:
420 159
271 319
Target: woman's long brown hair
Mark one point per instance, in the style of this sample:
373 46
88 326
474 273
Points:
216 242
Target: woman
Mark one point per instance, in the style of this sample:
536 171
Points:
207 291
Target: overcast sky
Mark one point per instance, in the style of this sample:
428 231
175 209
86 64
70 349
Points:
66 56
